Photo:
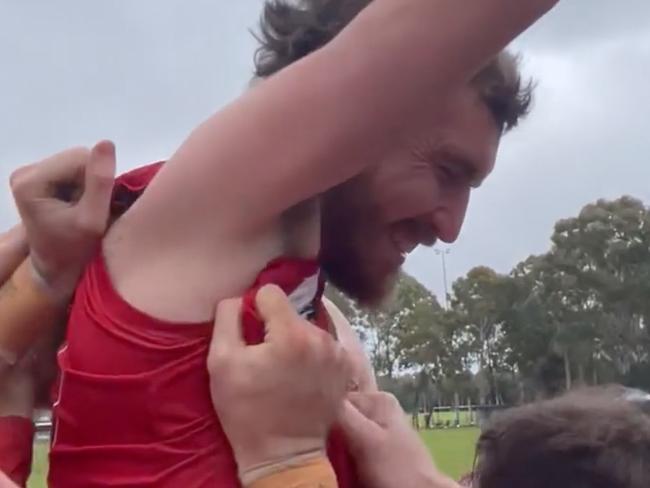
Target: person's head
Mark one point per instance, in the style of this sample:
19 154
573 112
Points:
587 439
419 191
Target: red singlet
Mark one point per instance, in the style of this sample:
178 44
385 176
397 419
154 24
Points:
133 406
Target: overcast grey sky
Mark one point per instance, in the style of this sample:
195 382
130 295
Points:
144 72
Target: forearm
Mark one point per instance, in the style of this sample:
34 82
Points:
13 250
27 313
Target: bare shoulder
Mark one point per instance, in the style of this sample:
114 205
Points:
351 342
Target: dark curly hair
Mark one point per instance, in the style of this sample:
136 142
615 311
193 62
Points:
591 438
290 30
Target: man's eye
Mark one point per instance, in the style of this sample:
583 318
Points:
450 174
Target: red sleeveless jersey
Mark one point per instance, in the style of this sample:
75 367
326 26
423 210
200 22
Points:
132 406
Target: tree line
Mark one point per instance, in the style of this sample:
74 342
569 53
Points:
575 315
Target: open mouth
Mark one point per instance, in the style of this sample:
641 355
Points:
404 246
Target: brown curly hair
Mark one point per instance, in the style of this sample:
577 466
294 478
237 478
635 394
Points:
290 30
592 438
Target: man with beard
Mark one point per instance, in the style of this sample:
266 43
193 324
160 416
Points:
373 122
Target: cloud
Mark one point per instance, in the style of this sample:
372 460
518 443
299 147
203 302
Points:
145 72
585 139
578 23
142 73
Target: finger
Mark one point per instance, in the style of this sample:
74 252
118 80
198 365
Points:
382 408
275 310
360 431
366 380
94 205
227 334
41 179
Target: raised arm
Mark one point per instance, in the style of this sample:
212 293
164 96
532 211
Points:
321 120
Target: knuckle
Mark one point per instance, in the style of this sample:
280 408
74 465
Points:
342 358
19 180
390 402
217 362
90 226
222 307
298 344
77 153
327 345
318 340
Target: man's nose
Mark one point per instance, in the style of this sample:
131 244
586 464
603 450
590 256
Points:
449 217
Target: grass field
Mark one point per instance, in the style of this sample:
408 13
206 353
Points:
453 450
464 418
39 466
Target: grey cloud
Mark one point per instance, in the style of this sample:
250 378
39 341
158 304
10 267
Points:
585 139
585 22
144 72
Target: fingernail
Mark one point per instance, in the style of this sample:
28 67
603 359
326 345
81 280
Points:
105 147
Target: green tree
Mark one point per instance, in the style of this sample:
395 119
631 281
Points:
386 331
478 305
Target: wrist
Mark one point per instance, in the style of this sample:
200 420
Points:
251 474
266 453
59 289
313 472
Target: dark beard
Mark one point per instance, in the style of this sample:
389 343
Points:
346 273
349 223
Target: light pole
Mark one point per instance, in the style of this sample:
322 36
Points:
442 254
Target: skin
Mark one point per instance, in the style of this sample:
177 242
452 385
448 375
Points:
60 235
29 381
301 376
380 124
300 366
362 372
6 482
63 202
304 366
217 212
388 453
13 250
417 195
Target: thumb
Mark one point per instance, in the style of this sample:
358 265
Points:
94 205
275 310
360 431
227 335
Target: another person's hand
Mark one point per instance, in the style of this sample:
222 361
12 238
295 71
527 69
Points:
277 400
64 204
387 451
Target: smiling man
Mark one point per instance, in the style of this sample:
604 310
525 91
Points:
372 123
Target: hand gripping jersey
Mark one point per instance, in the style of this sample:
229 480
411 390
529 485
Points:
133 407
